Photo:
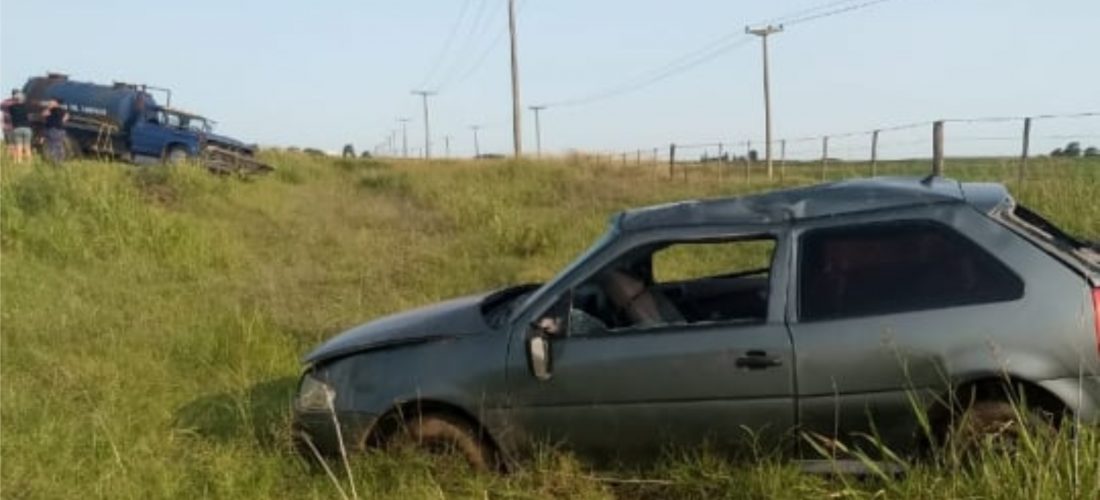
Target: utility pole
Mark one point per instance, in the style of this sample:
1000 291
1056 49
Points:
538 130
427 131
404 136
763 33
447 146
517 137
477 147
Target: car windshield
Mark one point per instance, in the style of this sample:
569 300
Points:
595 248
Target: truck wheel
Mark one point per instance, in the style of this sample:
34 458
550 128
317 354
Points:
176 155
72 148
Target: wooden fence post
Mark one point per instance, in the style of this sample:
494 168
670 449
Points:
937 148
748 163
1023 155
671 158
824 155
874 153
685 169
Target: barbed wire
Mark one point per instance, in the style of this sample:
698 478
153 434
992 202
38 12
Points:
733 147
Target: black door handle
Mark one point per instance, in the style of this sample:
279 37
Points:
757 360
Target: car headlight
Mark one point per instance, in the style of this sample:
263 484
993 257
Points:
314 394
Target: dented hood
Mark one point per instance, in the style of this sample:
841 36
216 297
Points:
456 317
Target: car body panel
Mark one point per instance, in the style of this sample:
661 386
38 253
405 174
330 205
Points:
639 390
879 367
460 316
646 380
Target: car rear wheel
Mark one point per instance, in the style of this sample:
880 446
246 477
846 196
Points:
447 436
998 425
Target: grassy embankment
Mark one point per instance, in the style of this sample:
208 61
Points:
152 321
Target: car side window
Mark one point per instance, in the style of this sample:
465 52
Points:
894 267
672 283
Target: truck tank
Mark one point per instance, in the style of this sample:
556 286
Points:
121 104
124 121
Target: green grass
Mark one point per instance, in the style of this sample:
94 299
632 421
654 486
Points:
152 320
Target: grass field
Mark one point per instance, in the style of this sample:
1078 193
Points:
152 321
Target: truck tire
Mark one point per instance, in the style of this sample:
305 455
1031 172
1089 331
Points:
176 155
72 148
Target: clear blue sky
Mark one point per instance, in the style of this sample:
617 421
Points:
326 73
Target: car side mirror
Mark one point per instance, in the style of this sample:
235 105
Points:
553 323
538 354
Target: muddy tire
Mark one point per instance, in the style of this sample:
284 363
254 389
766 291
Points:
447 436
176 156
999 425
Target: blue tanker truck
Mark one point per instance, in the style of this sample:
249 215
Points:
124 121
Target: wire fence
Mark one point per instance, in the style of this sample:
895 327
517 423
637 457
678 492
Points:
1015 141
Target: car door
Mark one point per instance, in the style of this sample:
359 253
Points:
639 389
883 301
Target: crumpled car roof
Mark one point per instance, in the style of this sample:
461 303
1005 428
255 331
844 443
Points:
823 200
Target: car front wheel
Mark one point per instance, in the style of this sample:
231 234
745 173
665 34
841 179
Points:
448 436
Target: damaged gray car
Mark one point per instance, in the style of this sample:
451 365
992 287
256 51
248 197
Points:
843 309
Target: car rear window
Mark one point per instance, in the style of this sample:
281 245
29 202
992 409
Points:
895 267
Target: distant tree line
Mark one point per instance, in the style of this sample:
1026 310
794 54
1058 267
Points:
1073 150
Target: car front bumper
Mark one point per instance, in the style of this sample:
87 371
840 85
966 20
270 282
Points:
318 428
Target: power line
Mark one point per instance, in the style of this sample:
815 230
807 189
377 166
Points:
712 50
480 60
833 12
678 66
468 43
447 44
806 12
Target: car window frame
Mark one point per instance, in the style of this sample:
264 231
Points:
779 238
798 242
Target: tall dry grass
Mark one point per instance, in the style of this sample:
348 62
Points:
152 321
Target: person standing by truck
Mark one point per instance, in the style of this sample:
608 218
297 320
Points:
9 141
56 116
21 133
